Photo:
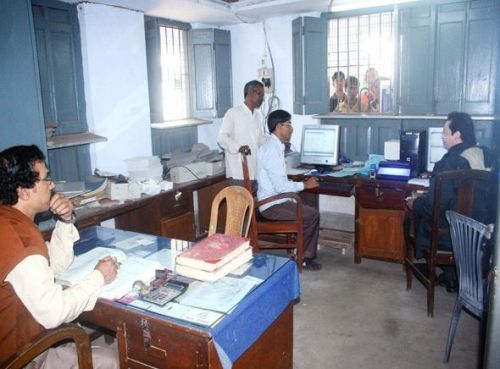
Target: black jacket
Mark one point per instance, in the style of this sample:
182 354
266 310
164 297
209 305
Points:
484 209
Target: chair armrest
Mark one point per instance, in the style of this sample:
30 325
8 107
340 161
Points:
47 339
287 195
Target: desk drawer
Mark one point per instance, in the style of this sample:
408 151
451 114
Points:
176 202
380 197
146 343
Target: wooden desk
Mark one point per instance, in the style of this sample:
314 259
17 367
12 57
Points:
256 334
380 211
169 213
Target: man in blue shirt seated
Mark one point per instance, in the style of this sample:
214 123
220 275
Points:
273 180
460 141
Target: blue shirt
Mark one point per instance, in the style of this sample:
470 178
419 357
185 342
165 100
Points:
271 172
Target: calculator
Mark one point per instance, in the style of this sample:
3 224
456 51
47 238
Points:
165 293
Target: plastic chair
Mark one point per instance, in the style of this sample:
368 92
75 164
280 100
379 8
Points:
239 213
268 234
464 183
48 339
468 238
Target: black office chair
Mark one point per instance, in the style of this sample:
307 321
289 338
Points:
470 248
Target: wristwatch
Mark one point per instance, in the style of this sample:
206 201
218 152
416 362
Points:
70 221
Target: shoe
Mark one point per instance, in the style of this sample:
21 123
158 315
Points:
310 264
448 282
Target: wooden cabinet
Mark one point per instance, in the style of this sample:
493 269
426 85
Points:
179 227
379 221
167 214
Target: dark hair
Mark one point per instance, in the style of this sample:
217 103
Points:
351 80
277 117
462 122
252 85
338 74
17 170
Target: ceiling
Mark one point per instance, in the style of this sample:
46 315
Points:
218 12
224 12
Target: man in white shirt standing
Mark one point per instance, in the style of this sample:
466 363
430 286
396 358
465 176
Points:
241 131
30 301
273 180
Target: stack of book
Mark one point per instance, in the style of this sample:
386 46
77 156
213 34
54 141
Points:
214 257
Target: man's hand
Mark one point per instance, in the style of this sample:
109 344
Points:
411 199
245 150
311 183
61 206
108 268
409 202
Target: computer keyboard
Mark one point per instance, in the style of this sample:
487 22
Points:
336 187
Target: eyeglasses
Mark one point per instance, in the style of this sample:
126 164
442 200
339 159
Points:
46 179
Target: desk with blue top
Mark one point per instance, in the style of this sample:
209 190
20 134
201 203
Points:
257 333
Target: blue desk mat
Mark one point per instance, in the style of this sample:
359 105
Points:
255 313
240 329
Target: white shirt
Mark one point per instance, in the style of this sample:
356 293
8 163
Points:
33 282
271 172
240 127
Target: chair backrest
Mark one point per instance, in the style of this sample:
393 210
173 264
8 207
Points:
48 339
469 247
464 187
239 204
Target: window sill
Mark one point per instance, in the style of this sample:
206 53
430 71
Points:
180 123
59 141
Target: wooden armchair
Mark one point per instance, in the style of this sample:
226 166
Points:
268 234
465 181
239 211
47 339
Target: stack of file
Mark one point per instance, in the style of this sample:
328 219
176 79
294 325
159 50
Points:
145 167
214 257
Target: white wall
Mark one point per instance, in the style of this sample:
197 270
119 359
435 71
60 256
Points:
116 87
248 46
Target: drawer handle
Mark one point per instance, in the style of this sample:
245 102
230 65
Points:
378 192
178 195
150 349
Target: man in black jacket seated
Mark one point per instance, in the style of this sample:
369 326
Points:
460 141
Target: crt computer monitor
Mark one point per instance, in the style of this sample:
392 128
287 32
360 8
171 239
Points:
320 144
435 148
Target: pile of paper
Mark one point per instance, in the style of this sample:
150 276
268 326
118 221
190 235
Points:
214 257
145 167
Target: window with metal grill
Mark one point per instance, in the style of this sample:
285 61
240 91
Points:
362 46
174 73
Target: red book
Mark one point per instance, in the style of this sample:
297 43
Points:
213 252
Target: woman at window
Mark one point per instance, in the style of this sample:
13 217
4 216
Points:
370 99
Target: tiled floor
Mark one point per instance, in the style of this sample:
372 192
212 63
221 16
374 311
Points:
360 316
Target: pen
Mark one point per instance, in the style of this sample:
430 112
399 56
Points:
110 258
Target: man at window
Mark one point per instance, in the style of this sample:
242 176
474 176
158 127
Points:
241 131
460 141
352 87
273 180
338 99
30 301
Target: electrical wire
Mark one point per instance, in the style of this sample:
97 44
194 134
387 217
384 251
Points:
274 98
